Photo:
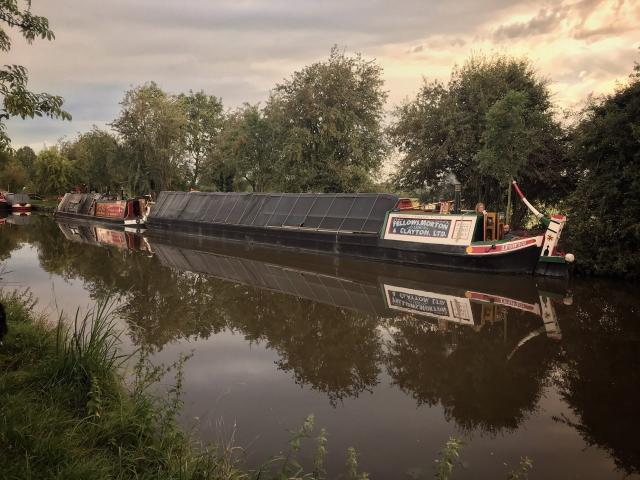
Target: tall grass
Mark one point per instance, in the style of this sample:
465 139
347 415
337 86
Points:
87 351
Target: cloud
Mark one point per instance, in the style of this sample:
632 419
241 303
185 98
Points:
239 49
545 21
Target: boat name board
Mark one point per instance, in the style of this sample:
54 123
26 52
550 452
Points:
419 302
423 227
111 237
111 209
437 229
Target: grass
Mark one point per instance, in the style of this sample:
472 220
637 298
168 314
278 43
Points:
68 411
47 203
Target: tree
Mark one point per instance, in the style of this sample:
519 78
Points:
13 176
205 118
96 158
251 141
442 130
604 209
27 157
152 125
17 99
508 139
331 113
53 172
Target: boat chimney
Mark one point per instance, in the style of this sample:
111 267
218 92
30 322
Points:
457 187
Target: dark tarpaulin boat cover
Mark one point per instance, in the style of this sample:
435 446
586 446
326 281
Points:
340 212
81 203
16 198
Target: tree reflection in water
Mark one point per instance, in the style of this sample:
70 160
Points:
468 371
600 374
335 350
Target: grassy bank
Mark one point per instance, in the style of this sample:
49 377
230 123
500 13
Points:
68 411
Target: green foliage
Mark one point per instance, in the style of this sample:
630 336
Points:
205 119
454 128
53 173
448 458
604 209
87 354
151 126
252 147
27 157
96 158
522 472
509 137
17 99
13 176
352 466
331 116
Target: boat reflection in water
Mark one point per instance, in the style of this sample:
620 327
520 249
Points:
15 218
445 299
97 234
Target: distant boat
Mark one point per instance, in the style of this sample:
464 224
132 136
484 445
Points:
18 202
97 207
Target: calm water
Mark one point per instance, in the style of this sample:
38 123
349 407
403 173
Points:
391 360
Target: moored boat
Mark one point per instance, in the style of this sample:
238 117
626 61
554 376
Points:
96 207
373 226
19 202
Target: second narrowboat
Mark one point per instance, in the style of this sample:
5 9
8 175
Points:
97 207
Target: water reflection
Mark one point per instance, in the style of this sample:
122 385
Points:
451 340
484 348
600 375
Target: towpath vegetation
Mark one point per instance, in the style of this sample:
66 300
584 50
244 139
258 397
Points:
70 410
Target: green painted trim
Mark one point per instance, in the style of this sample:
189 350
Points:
552 259
384 226
492 242
411 212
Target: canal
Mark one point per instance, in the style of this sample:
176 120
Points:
390 360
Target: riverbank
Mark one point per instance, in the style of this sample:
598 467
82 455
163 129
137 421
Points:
69 411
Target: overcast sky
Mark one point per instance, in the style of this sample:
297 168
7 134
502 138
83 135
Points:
239 49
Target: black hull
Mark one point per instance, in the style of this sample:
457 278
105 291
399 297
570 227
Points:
367 246
91 218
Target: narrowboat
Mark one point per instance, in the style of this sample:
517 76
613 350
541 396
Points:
97 207
18 202
367 225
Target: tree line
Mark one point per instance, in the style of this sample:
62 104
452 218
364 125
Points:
320 130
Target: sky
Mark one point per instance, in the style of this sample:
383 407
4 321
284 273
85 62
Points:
240 49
